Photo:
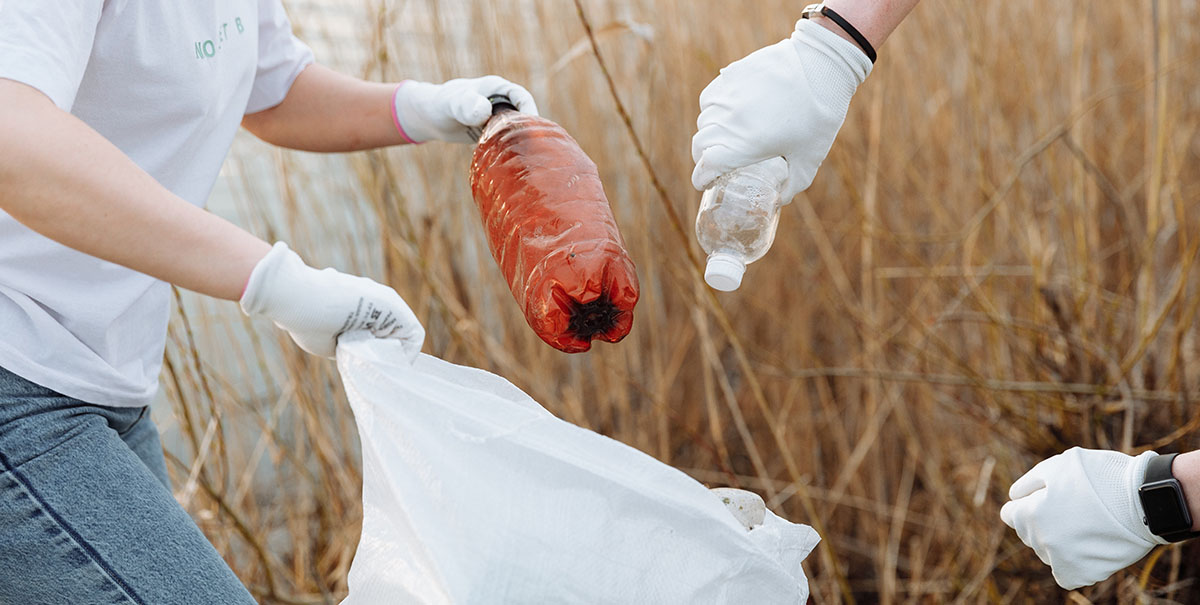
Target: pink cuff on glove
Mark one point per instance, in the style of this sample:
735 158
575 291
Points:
396 118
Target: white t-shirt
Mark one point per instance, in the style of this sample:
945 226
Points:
167 82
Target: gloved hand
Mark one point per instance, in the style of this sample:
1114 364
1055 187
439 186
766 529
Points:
788 99
453 111
316 306
1080 512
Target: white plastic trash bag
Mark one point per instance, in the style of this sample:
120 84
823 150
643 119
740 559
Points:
474 493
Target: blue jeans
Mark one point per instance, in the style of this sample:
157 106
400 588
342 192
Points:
86 512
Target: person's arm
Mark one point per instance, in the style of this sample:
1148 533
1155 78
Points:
61 178
337 112
328 111
64 180
789 99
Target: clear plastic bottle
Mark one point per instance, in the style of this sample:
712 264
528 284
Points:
738 216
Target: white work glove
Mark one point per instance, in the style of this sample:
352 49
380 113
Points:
316 306
1080 512
453 111
788 100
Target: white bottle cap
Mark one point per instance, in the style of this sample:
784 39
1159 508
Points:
724 271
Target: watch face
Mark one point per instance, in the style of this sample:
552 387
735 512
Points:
1164 506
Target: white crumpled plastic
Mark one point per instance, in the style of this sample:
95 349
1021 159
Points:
474 493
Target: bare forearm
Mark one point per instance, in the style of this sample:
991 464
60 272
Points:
875 19
329 111
62 179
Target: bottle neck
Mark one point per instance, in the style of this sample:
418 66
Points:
501 103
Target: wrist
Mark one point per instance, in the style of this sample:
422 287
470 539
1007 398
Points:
275 269
254 257
828 24
245 254
1187 471
848 32
396 113
874 19
861 15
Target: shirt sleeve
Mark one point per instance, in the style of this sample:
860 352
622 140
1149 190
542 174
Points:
281 57
47 44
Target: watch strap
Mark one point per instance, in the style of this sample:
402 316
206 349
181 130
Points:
1159 468
821 9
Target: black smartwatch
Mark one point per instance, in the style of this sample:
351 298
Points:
1162 499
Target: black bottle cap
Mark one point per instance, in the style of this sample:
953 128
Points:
501 103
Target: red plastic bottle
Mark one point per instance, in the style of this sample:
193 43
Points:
552 231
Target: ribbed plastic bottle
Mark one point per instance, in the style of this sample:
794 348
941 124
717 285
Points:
738 216
552 231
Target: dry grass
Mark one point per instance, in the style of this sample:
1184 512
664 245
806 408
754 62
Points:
995 263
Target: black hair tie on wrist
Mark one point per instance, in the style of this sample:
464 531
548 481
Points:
862 41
